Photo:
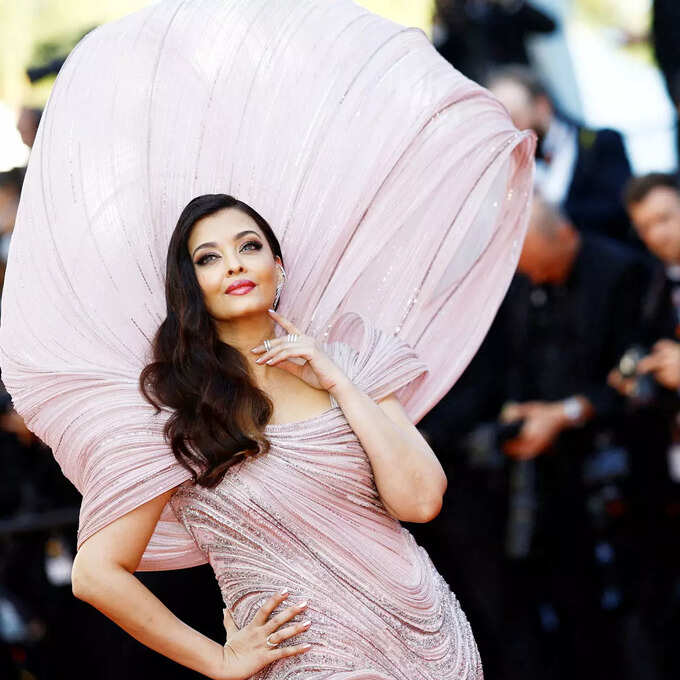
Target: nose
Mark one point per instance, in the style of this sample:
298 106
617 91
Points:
233 263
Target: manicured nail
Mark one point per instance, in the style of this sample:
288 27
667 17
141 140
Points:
303 604
259 361
307 646
270 361
284 592
271 310
306 623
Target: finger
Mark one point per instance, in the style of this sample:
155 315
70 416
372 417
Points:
521 410
273 342
287 352
284 616
531 407
666 371
509 413
666 364
284 323
289 631
294 349
648 364
664 377
619 383
669 356
268 354
292 650
614 377
515 455
229 624
662 353
614 381
513 446
269 606
520 450
664 344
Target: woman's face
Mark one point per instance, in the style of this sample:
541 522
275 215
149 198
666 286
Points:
234 264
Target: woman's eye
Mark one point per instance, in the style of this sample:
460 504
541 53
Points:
205 259
251 245
210 257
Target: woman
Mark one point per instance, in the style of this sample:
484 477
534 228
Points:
399 191
303 463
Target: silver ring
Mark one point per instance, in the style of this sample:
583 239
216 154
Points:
267 345
293 337
271 644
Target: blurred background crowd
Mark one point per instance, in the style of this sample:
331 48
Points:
561 441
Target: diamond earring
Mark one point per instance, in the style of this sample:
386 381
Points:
279 288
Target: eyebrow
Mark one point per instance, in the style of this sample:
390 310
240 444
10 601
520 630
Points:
212 244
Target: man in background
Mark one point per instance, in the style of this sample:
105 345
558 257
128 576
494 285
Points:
581 170
665 31
653 202
479 35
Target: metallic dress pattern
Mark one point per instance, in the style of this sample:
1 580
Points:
398 189
307 516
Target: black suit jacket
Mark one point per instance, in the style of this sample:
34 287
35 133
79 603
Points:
606 289
595 198
665 29
605 293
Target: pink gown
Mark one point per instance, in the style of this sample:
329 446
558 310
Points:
398 188
307 516
399 191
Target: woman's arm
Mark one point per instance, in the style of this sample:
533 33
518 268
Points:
103 576
408 476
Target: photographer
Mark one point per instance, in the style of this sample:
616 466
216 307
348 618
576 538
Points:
653 203
478 35
568 318
581 169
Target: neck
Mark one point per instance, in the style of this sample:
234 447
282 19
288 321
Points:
246 332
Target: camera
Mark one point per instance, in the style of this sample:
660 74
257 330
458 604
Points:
645 388
483 445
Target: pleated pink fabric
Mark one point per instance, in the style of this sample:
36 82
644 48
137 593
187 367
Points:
307 516
398 189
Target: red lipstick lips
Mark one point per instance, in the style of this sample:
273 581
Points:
240 287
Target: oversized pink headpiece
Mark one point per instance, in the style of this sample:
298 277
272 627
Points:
398 188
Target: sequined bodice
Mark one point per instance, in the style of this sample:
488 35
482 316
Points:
306 516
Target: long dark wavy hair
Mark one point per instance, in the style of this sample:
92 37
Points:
219 414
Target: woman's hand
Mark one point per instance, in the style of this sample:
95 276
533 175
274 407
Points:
246 650
317 369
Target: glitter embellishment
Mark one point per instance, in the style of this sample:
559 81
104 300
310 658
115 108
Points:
307 516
